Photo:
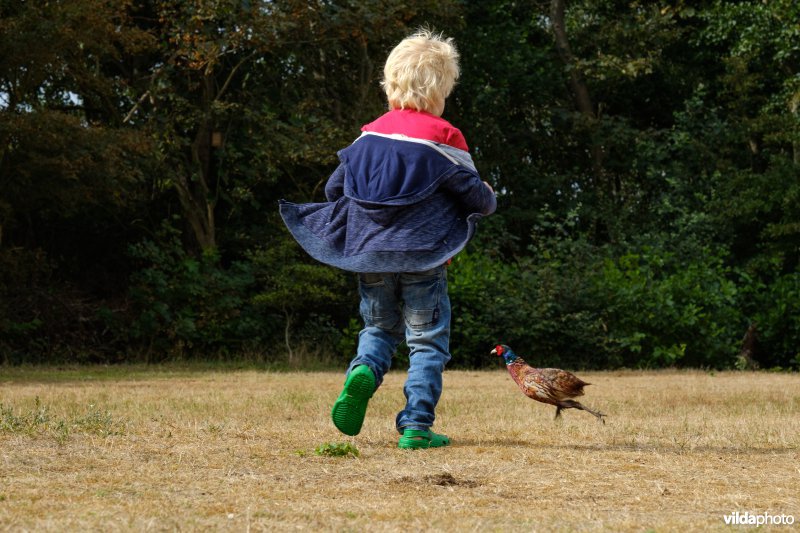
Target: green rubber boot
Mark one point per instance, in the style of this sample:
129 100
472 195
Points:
413 439
350 408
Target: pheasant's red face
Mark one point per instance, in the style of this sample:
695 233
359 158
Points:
499 350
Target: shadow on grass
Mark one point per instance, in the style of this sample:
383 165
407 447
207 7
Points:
652 448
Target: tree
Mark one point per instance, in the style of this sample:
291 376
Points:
71 174
62 147
645 157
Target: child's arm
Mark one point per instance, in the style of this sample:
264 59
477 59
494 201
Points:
334 189
476 195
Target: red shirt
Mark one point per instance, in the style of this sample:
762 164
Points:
420 125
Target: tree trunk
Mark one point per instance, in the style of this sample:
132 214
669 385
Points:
793 106
746 359
579 88
287 334
198 193
198 209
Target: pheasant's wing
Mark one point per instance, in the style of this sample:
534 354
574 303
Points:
560 384
538 385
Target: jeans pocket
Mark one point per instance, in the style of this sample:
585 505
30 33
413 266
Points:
420 318
421 295
379 307
432 273
371 280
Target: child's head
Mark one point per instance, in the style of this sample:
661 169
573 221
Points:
420 72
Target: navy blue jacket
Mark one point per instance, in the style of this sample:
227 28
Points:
395 204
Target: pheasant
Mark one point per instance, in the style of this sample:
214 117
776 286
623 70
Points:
547 385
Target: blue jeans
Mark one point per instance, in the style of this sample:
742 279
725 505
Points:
414 307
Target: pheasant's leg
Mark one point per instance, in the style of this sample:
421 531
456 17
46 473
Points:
558 412
598 414
566 404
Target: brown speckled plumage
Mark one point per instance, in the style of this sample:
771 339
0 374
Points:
547 385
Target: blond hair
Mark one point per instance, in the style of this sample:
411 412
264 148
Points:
420 72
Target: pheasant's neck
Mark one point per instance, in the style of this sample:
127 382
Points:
517 369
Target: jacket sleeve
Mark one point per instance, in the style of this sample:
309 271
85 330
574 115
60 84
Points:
473 194
334 189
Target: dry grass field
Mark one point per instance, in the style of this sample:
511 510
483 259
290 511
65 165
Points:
234 451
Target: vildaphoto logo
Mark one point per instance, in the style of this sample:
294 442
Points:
751 519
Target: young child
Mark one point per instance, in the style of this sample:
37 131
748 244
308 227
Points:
403 201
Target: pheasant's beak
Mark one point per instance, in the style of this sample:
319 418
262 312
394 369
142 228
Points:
494 352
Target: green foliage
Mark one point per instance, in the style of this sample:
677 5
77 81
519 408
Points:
301 291
187 305
290 282
348 342
337 449
42 318
575 304
541 304
662 310
22 273
40 420
650 229
774 308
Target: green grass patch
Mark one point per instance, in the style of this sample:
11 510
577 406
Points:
337 449
39 419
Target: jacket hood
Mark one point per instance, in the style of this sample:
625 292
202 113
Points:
396 170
